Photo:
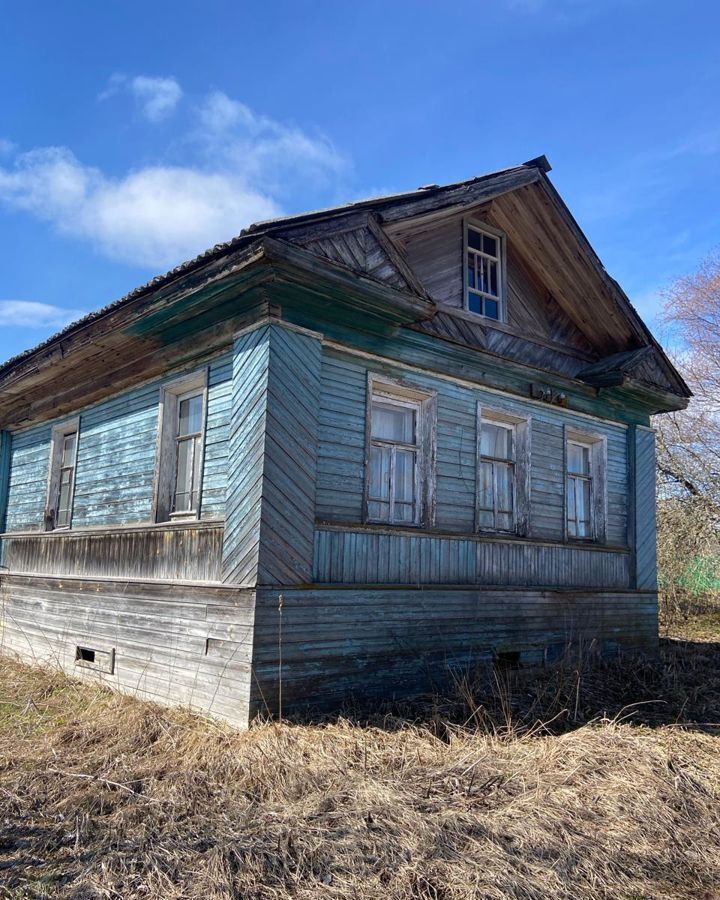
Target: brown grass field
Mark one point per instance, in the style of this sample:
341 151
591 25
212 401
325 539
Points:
586 782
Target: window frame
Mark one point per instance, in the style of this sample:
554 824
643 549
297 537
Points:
165 481
57 440
483 227
521 426
424 403
597 447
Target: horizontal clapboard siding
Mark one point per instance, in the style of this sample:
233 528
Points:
172 643
341 451
184 552
341 643
116 458
361 557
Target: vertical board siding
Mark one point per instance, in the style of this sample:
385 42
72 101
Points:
185 552
645 510
341 451
347 557
270 516
116 459
176 644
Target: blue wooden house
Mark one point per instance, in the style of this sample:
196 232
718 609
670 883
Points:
341 455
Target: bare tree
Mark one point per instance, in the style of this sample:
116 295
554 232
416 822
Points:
689 445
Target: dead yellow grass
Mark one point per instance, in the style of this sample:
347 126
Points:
103 796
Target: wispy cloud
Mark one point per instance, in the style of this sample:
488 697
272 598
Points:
157 96
30 314
240 165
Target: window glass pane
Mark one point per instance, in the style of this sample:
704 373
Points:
503 481
485 487
571 510
183 482
403 512
190 415
492 286
471 270
492 310
475 303
504 521
378 511
393 423
486 518
495 440
582 504
63 513
404 487
490 245
474 239
68 452
379 486
578 459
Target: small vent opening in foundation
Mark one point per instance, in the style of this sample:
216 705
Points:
507 659
84 654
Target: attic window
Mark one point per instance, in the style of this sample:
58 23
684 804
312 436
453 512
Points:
484 271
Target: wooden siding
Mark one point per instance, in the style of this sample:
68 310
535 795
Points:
5 445
172 643
271 503
645 509
342 441
246 452
343 556
188 552
339 643
434 251
116 459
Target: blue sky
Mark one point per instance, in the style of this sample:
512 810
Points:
133 135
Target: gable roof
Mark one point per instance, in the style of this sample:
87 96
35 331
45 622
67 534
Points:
351 237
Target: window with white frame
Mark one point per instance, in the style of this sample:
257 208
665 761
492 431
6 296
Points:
503 487
181 438
484 271
400 453
61 481
585 476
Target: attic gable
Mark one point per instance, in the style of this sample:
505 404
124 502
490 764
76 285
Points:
358 243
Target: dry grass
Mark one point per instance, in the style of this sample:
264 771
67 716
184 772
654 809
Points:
109 797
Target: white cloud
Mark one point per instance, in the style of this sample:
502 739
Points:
6 147
239 166
230 132
29 314
156 216
157 96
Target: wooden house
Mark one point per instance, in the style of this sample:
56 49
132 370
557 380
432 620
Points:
341 455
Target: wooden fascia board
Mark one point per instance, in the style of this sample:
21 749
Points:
655 400
442 203
641 329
